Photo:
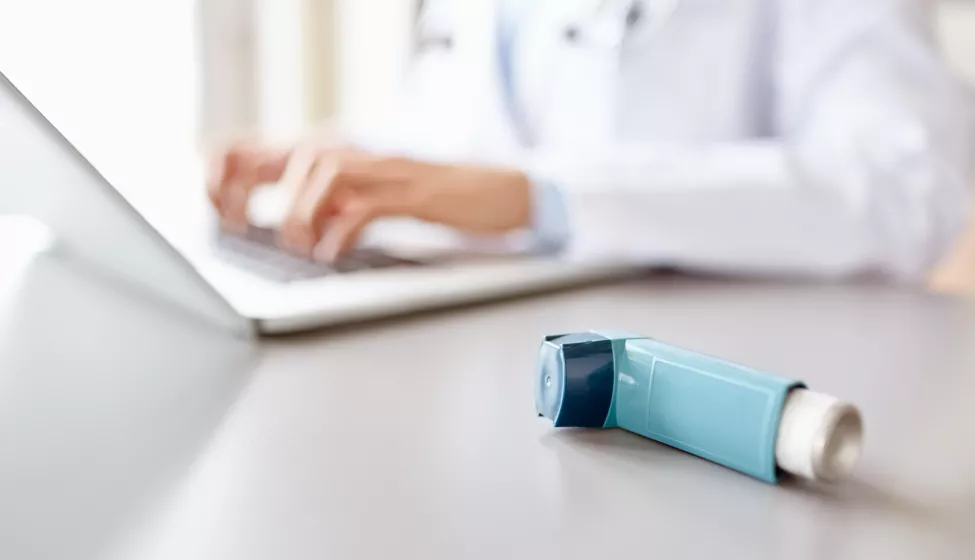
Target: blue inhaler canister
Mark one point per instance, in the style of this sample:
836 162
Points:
752 421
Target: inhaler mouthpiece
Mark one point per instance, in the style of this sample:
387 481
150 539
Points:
819 436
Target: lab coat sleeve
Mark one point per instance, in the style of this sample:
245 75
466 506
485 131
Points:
867 170
549 230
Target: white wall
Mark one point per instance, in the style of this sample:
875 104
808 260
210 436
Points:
357 66
117 65
226 52
118 77
280 62
373 39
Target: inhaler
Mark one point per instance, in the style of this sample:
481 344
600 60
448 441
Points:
749 420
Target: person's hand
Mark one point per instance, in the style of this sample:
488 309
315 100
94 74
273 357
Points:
337 192
235 170
237 167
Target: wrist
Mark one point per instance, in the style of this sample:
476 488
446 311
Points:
550 219
519 199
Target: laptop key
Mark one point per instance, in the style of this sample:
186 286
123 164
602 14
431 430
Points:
257 250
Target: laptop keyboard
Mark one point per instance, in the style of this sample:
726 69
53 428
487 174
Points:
256 250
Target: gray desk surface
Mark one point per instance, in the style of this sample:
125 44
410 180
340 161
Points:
127 432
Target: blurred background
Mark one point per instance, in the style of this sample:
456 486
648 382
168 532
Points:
192 70
132 83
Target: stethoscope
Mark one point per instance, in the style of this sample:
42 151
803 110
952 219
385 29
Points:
614 22
609 25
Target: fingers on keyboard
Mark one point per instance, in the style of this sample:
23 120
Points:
258 251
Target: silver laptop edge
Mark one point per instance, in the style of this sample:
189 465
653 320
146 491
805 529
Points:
21 195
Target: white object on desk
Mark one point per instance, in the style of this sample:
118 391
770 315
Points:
819 436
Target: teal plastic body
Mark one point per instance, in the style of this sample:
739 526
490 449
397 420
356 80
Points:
720 411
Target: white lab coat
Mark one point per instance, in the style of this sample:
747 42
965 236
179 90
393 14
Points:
796 137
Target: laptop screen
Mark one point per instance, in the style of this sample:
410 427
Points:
42 175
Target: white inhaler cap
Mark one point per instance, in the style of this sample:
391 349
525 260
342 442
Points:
819 438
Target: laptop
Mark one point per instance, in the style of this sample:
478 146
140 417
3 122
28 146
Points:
244 281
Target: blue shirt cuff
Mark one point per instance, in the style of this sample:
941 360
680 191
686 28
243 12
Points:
550 219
